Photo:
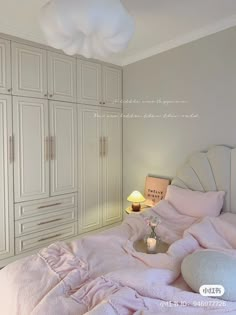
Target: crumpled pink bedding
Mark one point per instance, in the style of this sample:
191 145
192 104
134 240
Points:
102 274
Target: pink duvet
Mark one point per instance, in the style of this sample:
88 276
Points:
103 275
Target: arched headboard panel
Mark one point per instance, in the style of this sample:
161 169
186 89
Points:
211 171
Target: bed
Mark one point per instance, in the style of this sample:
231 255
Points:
103 273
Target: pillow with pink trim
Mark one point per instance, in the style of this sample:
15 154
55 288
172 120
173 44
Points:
195 203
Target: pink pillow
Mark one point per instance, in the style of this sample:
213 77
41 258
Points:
195 203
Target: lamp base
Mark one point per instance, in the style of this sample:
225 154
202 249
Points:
136 207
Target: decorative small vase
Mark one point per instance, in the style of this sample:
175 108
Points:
152 241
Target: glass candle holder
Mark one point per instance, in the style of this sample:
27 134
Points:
152 241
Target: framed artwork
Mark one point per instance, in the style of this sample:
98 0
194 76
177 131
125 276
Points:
155 190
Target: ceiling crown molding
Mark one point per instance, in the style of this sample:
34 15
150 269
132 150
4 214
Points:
181 40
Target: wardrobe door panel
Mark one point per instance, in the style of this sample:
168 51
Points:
61 77
5 66
89 83
63 147
112 166
31 169
90 168
6 179
112 87
29 71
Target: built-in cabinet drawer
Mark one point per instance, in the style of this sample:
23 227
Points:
45 221
40 239
48 205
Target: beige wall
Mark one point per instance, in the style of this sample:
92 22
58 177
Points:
202 74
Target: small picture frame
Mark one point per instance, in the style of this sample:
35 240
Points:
155 190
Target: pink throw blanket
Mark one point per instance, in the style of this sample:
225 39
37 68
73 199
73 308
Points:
102 274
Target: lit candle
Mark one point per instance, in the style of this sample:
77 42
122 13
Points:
151 245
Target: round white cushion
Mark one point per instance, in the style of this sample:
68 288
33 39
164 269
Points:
210 267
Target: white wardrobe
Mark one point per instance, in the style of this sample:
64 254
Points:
101 166
60 147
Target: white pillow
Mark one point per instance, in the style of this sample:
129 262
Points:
195 203
208 267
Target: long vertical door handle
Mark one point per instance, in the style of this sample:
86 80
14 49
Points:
104 145
54 147
100 146
47 148
11 149
52 156
50 146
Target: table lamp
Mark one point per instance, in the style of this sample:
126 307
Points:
136 197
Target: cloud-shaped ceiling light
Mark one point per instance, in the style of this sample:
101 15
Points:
92 28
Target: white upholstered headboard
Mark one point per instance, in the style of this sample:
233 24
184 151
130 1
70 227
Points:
211 171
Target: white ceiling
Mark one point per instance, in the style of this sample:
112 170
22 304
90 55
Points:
160 24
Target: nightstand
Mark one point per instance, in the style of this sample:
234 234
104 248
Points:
143 208
141 247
